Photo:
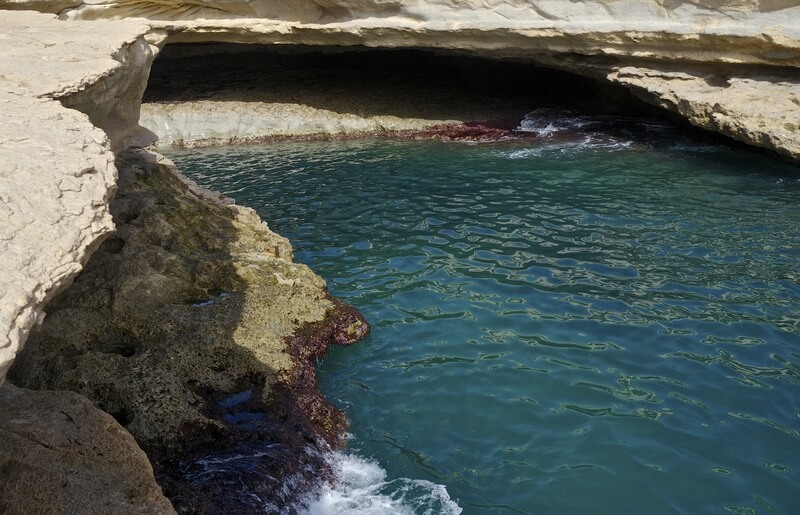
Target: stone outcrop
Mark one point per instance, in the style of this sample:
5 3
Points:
716 63
60 454
57 174
754 104
191 304
713 71
744 31
70 86
327 92
499 12
760 107
297 92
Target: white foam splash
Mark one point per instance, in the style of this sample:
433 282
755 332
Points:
547 121
565 131
569 147
361 487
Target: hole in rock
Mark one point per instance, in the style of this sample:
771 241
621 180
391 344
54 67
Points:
125 350
114 245
123 416
116 341
302 83
125 210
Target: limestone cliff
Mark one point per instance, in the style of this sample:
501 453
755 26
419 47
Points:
59 453
194 328
728 66
134 332
71 83
499 12
58 172
744 31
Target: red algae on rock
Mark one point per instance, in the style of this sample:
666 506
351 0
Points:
343 325
471 132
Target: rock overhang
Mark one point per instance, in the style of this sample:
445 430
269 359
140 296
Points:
58 173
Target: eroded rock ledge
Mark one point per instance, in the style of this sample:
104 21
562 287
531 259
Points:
726 66
70 95
58 172
134 330
57 176
192 326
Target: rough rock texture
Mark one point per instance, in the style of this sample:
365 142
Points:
192 302
700 30
760 107
499 12
207 122
298 92
56 167
746 100
60 454
756 105
726 65
272 94
644 45
663 50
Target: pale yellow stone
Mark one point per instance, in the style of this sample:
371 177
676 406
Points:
57 171
759 107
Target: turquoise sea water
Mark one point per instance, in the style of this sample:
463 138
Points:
604 319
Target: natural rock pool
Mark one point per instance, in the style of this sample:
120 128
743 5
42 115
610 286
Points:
603 319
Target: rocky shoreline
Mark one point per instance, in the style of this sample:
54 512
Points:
194 328
297 93
190 324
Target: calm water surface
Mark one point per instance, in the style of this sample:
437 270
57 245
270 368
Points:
603 320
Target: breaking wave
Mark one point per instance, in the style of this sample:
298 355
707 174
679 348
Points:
361 486
567 131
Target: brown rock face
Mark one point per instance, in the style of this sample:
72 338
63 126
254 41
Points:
191 325
60 454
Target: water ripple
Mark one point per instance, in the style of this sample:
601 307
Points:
597 322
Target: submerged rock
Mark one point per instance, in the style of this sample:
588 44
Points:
191 301
60 454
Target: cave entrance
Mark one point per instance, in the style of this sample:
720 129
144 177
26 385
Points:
205 93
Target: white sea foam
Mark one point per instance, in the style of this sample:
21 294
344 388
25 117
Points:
547 121
362 487
565 131
569 147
